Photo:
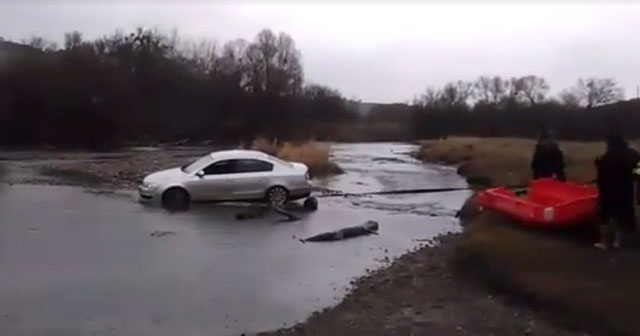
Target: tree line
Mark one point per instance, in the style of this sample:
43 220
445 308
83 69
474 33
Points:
522 107
145 87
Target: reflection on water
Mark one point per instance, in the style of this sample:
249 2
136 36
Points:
76 262
388 166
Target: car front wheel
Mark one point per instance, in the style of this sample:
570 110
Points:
176 199
277 196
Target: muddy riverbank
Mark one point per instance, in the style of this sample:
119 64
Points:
557 272
420 295
124 169
117 170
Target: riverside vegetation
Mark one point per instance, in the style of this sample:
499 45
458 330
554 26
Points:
559 273
145 87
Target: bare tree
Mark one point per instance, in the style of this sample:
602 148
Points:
569 98
499 88
317 91
289 72
483 89
232 65
203 56
72 40
174 41
532 89
40 43
457 93
593 92
274 64
430 98
491 90
514 88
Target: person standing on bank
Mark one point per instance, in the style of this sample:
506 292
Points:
548 159
617 172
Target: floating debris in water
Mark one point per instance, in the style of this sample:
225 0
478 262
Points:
369 227
162 233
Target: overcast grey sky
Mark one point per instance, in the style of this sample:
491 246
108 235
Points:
378 50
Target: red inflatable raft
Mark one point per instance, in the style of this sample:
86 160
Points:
547 203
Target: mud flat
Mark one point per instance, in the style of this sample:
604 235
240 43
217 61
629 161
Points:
114 170
107 170
418 293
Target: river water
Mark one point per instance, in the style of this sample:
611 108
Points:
78 263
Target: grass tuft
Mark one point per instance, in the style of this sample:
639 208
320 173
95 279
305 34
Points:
316 155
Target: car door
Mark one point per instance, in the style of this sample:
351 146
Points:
251 179
216 182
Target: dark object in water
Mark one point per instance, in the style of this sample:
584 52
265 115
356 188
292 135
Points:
370 227
310 204
252 213
161 233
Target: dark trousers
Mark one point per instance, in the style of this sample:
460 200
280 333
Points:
541 174
622 213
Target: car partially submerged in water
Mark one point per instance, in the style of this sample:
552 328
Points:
230 175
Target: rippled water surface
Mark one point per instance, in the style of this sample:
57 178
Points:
79 263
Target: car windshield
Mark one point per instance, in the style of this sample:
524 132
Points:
191 167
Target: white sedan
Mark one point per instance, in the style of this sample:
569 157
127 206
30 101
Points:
231 175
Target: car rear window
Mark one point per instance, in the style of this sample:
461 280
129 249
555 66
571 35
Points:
252 166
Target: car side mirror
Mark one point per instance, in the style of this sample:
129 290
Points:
200 174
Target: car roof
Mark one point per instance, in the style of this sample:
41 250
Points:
238 154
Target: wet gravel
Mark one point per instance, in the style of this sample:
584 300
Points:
419 295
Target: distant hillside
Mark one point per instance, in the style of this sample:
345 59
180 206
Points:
366 109
10 50
615 110
362 108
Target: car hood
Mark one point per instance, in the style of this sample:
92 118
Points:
164 176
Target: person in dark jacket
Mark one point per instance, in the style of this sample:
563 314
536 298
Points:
616 175
548 159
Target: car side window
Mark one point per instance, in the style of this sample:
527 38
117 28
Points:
220 168
252 166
